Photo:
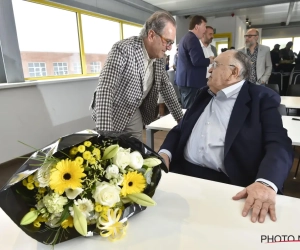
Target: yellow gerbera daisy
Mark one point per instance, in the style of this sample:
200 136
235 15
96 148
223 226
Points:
133 183
66 174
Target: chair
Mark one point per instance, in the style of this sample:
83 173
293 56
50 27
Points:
296 155
275 87
293 90
276 78
282 109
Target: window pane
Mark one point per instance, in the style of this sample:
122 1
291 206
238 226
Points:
98 35
281 41
56 39
296 45
130 30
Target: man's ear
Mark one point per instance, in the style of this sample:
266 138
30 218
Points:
236 72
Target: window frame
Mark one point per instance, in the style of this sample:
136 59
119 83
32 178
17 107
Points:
78 13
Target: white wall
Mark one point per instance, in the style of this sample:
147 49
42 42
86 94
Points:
40 114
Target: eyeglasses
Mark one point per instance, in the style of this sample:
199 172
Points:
167 41
249 36
215 64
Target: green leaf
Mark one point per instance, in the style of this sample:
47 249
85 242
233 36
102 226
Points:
80 222
29 217
110 152
141 199
64 215
151 162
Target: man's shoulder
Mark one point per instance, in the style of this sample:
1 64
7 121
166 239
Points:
129 44
264 47
261 92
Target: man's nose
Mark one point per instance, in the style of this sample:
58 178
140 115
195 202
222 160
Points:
210 69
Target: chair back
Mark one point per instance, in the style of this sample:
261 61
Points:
293 90
275 87
282 109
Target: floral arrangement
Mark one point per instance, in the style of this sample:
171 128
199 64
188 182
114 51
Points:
87 187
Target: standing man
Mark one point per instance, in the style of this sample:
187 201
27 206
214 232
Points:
208 49
133 75
261 64
192 64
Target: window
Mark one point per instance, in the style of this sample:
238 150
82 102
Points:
281 41
52 41
99 35
70 41
130 30
77 68
296 45
95 67
60 68
36 69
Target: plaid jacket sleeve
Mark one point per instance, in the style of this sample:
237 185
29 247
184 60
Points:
108 82
168 93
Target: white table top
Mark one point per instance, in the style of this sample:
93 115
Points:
291 101
191 213
167 122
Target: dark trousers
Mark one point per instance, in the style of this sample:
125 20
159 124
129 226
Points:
190 169
187 96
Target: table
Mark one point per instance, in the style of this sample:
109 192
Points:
191 213
167 122
292 102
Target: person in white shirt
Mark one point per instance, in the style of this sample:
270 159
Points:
208 49
233 134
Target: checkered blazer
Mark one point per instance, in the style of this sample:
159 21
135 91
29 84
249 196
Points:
120 89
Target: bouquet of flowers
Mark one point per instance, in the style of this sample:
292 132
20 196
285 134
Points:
82 184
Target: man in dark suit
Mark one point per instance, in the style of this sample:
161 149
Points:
233 134
192 64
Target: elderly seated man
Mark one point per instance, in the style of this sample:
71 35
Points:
233 134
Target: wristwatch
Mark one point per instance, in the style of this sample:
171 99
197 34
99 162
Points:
266 184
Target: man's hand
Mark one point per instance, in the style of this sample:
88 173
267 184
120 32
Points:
260 199
211 59
166 159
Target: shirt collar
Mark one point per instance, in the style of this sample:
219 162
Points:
202 45
233 89
229 91
146 56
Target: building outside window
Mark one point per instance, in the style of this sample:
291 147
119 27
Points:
60 68
77 68
95 67
37 69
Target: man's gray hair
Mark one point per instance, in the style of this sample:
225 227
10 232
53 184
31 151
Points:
157 22
245 64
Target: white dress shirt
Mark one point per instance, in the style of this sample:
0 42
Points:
207 53
149 74
205 146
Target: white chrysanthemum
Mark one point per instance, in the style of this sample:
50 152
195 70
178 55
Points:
54 203
84 205
73 193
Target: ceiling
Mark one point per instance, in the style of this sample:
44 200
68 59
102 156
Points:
260 12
